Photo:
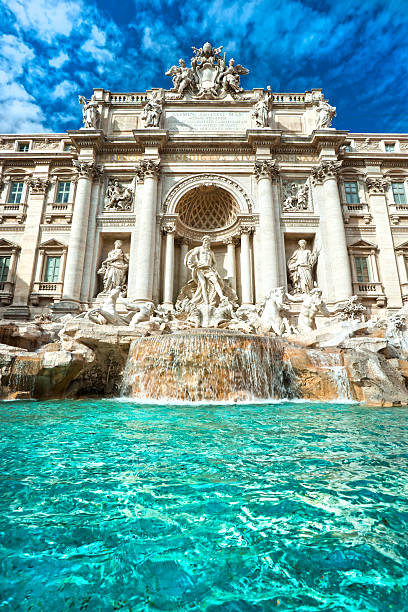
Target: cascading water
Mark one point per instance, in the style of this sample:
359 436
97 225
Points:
207 365
331 362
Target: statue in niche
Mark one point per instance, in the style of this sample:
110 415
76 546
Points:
90 112
261 109
118 197
300 267
152 112
114 269
201 261
296 197
325 114
312 304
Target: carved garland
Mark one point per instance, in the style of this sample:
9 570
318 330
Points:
205 179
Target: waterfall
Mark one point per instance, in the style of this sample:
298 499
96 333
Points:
331 362
207 365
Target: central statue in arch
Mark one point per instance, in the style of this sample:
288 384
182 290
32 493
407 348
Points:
201 260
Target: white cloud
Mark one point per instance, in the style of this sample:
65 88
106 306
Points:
64 89
95 46
14 54
59 60
49 18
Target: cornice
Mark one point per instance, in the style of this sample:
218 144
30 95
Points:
84 138
153 137
264 137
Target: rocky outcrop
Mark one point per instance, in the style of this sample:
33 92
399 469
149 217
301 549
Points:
369 365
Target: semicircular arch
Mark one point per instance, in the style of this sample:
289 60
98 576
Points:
180 189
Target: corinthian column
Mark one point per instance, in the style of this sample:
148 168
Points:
266 172
169 231
231 265
332 231
146 220
184 246
377 187
77 238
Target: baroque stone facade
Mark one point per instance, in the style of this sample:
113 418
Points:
123 200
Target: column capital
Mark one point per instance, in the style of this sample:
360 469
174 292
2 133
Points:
246 230
327 169
169 228
377 185
230 240
148 168
38 185
266 168
86 169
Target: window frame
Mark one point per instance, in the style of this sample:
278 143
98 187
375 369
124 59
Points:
13 182
47 258
347 193
63 181
404 193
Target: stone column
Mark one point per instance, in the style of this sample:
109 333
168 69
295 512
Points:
246 275
77 239
402 268
169 231
90 241
19 309
184 247
266 172
377 187
146 222
332 231
231 263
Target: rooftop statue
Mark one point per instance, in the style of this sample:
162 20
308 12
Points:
153 110
208 76
325 114
90 112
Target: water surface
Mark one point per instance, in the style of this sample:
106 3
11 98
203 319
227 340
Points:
109 505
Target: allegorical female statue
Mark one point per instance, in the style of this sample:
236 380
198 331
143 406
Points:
300 267
114 268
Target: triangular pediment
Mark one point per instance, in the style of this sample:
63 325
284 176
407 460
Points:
404 245
8 244
363 244
52 244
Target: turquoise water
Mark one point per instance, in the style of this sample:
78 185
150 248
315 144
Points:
109 505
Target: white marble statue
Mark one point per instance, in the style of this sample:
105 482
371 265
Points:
261 110
325 114
183 77
272 318
300 266
114 269
312 304
118 197
152 111
201 261
208 76
90 112
105 314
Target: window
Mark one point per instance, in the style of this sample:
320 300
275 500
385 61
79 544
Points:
4 267
23 146
52 268
16 192
63 192
390 147
67 147
351 189
398 192
362 270
347 148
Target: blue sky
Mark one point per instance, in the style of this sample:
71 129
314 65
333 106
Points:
53 50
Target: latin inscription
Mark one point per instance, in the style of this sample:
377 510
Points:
208 121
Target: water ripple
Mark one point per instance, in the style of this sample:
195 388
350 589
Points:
110 505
